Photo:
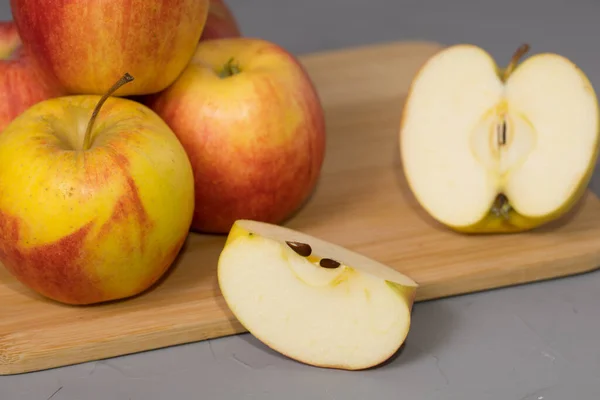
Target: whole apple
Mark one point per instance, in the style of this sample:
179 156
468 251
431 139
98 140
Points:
253 127
22 82
221 22
88 44
89 215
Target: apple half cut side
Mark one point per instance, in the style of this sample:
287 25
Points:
314 301
486 149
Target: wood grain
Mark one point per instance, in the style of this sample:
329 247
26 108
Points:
361 202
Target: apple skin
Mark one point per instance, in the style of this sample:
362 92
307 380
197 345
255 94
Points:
22 82
514 222
9 39
153 40
88 226
221 22
256 140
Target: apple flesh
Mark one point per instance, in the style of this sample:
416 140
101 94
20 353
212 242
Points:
253 127
22 82
312 300
489 150
87 45
97 214
221 22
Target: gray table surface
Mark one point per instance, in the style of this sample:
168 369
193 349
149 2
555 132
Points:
533 342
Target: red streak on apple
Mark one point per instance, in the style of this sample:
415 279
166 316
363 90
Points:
55 270
129 205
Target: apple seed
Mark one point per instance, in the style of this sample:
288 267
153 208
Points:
502 133
329 263
301 248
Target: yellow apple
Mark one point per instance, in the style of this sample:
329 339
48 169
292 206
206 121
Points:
253 127
96 199
487 150
312 300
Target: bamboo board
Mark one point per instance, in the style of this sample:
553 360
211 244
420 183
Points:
361 202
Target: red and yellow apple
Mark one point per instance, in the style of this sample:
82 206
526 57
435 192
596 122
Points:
89 215
88 45
22 82
221 22
253 127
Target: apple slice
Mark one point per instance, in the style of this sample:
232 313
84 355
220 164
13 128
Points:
311 300
491 150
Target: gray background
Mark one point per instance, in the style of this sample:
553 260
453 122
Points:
534 342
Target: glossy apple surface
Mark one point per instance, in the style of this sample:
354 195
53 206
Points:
90 218
22 82
253 127
88 45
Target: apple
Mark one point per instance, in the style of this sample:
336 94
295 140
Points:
486 149
253 127
96 200
311 300
221 22
88 44
22 82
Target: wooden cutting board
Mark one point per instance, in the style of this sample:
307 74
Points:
362 202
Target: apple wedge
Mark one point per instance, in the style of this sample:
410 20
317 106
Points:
314 301
486 149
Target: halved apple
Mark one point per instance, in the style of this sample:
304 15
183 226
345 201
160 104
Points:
314 301
486 149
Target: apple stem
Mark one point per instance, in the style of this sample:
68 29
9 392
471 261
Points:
87 140
229 69
516 57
